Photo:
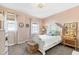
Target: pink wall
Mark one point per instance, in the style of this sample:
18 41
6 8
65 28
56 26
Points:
70 15
24 34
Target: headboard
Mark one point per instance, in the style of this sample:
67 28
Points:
53 29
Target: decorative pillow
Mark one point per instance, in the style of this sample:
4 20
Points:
53 30
54 33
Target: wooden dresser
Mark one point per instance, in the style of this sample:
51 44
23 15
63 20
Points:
70 34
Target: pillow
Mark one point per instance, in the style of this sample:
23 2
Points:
53 30
54 33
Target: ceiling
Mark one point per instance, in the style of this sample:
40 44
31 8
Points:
48 10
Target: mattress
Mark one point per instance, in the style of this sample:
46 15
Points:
48 40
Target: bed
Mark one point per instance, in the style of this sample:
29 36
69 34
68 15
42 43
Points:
50 39
46 42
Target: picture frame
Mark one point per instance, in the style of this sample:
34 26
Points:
21 25
27 25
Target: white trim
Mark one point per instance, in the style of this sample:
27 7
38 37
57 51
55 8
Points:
22 42
17 43
11 44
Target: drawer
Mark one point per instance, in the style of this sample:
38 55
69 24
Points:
72 42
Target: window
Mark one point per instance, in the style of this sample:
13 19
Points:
34 28
11 25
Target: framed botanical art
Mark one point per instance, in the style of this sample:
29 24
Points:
27 25
21 25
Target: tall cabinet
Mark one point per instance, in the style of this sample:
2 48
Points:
70 34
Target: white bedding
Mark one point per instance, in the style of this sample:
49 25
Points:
46 42
49 39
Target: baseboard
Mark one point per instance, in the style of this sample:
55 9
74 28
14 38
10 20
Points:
17 43
11 44
22 42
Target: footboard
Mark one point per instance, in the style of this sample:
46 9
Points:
39 41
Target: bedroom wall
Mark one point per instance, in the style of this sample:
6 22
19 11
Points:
24 34
70 15
42 24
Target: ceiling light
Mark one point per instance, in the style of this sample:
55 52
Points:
40 5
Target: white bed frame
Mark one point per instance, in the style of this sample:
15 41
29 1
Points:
43 50
41 44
